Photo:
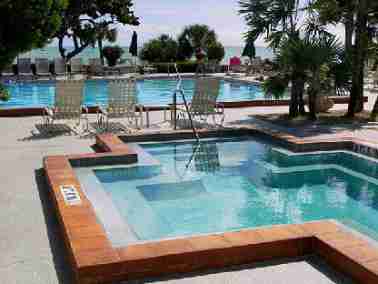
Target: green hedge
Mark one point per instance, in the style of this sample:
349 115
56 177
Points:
183 67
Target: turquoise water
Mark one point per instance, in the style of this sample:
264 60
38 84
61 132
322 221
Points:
241 183
150 92
52 52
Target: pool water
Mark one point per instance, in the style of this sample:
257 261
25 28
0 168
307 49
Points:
231 184
154 92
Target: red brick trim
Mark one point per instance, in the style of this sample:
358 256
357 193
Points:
94 260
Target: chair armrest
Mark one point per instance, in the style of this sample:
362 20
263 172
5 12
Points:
86 110
102 110
48 111
219 107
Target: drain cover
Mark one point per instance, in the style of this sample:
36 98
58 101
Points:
70 195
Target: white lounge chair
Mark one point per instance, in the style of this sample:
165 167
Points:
7 72
204 103
59 66
122 103
375 79
68 103
42 67
95 66
147 68
212 66
76 65
24 68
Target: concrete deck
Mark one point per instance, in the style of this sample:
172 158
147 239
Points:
30 240
310 270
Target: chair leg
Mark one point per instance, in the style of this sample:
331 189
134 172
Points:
148 118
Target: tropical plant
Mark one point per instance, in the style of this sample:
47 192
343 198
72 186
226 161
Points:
360 19
277 21
112 54
336 11
4 94
25 25
84 22
308 59
197 37
323 53
162 49
275 86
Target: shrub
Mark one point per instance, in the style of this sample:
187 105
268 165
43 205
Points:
112 54
4 93
215 51
275 86
183 67
161 49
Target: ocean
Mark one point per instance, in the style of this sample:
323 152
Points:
51 52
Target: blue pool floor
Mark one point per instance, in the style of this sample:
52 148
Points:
242 183
154 92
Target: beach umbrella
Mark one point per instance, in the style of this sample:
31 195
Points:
134 45
249 49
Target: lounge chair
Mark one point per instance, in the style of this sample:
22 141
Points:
375 79
68 103
95 66
204 103
24 68
148 68
122 103
76 65
206 157
42 67
212 66
7 72
59 66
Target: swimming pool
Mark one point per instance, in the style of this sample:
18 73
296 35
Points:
230 184
154 92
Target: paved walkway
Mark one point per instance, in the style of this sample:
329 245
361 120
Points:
30 242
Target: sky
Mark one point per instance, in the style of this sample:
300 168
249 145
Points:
171 16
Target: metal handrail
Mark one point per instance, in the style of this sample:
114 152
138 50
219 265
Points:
180 90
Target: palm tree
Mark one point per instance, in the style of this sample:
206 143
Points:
309 59
358 16
323 53
278 21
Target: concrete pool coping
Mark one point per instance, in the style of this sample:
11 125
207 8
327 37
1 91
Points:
94 260
39 111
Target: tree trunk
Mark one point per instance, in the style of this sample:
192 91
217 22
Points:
349 29
296 106
99 43
62 50
301 104
312 104
360 53
374 112
313 92
293 107
76 51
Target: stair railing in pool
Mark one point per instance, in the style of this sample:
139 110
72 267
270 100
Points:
180 90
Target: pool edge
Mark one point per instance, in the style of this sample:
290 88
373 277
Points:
94 259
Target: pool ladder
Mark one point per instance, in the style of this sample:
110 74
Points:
179 90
